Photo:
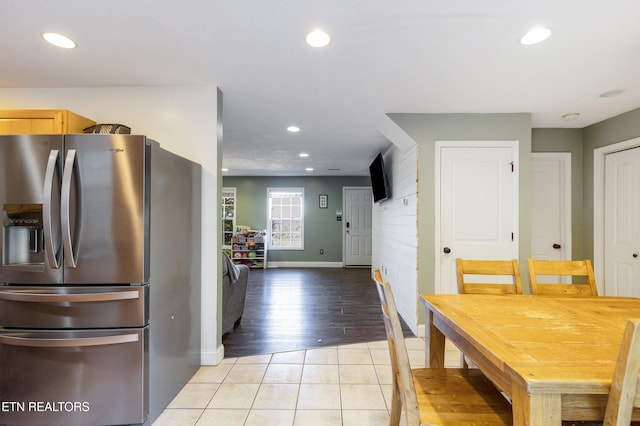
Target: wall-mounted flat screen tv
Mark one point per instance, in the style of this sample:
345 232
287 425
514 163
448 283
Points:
379 182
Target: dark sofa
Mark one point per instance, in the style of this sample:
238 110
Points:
234 290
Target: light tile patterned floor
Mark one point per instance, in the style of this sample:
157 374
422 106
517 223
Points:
338 385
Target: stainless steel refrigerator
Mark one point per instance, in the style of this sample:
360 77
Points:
99 278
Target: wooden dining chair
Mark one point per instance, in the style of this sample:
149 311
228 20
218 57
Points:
471 282
436 396
484 277
562 268
623 395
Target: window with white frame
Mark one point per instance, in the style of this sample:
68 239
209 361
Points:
286 218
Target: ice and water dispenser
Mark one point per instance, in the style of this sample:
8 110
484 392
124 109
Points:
23 237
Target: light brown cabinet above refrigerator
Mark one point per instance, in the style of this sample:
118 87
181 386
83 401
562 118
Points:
42 122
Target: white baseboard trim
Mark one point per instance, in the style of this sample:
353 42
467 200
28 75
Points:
305 265
212 358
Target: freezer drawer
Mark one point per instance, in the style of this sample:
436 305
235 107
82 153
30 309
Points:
74 307
88 377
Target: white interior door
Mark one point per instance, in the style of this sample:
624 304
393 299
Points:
622 223
358 203
478 195
551 206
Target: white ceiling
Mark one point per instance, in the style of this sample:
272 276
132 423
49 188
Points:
418 56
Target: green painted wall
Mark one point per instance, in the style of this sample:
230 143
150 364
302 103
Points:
321 229
426 130
568 140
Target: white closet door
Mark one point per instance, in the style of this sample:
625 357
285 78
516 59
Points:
551 206
622 223
478 207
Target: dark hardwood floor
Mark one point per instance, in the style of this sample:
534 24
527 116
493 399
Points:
291 309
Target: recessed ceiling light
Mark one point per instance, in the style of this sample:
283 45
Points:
309 169
571 116
611 93
535 35
303 155
224 169
59 40
318 38
293 129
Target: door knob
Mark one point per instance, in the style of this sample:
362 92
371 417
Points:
635 254
446 250
557 246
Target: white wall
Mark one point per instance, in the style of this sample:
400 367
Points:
183 120
395 232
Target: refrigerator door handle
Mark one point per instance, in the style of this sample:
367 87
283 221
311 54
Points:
28 296
70 257
47 219
65 343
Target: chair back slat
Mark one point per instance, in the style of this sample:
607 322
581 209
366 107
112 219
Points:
623 395
477 276
562 268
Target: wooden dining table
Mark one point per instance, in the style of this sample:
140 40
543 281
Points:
554 357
